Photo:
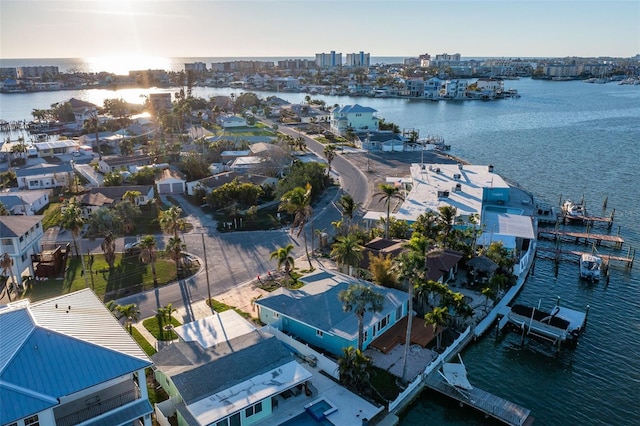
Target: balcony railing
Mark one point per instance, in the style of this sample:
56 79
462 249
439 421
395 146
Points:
98 407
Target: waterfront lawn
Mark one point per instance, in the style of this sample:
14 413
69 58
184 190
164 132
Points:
127 277
249 131
385 384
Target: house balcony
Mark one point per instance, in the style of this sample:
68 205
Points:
96 404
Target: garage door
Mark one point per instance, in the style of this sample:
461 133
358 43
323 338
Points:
164 188
177 188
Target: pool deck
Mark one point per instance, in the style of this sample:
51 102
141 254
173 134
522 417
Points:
351 409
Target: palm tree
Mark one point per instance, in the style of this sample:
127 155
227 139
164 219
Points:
348 208
298 202
353 368
284 258
329 152
446 220
126 212
148 254
130 313
108 246
72 220
114 308
387 193
175 248
347 251
360 298
165 313
437 318
170 221
132 196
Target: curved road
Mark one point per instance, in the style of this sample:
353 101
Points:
236 258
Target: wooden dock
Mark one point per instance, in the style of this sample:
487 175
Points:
556 254
491 405
582 237
590 220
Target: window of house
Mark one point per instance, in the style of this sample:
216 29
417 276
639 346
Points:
276 315
398 312
21 238
32 421
7 242
319 333
254 409
366 335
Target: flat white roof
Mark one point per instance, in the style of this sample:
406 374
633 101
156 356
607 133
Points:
508 224
215 329
56 144
242 395
431 181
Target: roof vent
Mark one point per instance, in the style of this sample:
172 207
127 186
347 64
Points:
490 168
443 194
458 187
460 166
438 170
457 176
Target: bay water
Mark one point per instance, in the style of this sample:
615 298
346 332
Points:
558 140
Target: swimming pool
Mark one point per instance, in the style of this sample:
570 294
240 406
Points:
499 209
319 409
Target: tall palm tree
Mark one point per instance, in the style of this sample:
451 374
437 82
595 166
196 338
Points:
347 251
148 254
437 318
360 298
284 258
329 152
445 220
72 220
348 208
176 248
387 193
170 221
108 246
132 196
130 313
298 202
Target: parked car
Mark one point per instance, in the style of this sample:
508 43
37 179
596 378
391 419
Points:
131 248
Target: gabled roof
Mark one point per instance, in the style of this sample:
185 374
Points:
132 159
117 192
59 347
317 304
439 262
16 226
44 168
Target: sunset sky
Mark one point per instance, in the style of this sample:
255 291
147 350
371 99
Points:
301 28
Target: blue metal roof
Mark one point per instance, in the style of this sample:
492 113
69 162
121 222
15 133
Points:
351 109
44 168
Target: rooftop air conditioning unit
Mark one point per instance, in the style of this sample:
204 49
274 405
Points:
438 170
490 168
460 166
443 194
457 176
458 187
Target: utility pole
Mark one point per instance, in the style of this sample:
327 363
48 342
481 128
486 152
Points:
206 267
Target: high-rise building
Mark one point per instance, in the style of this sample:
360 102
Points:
358 59
329 60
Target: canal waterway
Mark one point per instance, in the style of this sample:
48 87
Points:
558 140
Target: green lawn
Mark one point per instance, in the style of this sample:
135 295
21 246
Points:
144 344
385 383
129 276
52 216
221 307
155 326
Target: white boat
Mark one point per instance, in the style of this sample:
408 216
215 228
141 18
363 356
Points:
573 211
560 324
590 267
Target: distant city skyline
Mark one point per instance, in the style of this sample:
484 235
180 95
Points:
135 29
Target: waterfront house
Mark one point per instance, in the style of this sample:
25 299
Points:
224 372
454 89
67 361
315 315
20 238
354 117
44 175
25 202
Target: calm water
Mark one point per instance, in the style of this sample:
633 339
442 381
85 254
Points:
564 139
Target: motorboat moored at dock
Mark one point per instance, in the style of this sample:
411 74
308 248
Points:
590 267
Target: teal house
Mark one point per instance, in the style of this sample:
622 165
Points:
314 313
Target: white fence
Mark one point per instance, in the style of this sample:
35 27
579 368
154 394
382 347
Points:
165 409
325 364
454 347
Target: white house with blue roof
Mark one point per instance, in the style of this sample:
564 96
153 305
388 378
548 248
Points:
68 361
355 117
315 315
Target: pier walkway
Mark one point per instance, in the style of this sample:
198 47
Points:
491 405
582 237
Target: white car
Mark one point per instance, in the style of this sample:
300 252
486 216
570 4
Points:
132 247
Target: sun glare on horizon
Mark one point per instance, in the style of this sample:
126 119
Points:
121 65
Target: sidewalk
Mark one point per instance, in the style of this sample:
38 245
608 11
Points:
241 297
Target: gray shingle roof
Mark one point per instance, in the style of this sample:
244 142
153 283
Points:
43 168
317 304
198 372
16 226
